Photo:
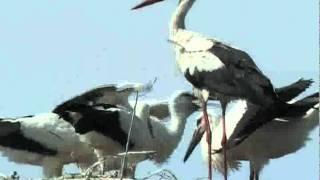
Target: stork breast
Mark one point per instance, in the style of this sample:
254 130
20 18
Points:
202 61
192 41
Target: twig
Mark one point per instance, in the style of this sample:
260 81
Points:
128 138
183 48
89 171
176 43
136 153
56 135
161 173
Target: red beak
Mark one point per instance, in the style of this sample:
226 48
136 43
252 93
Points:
145 3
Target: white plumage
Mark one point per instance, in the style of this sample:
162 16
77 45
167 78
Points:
109 137
45 140
213 67
198 61
275 139
50 141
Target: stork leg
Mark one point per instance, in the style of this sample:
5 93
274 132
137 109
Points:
251 172
224 139
52 168
131 172
208 136
254 174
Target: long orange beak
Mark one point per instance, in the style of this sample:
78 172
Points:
146 3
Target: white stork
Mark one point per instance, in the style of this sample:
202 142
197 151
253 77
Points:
106 129
45 140
218 71
286 93
275 139
50 141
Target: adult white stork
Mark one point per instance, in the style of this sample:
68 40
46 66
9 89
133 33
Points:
45 140
106 129
286 93
218 71
275 139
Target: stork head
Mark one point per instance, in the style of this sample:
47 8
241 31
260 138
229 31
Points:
185 103
146 3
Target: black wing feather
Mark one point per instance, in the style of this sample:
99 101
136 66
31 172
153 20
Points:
12 137
287 93
245 74
108 94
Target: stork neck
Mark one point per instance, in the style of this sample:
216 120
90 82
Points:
178 17
170 136
179 117
177 125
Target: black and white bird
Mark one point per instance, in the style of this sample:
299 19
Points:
277 138
286 93
50 141
218 71
106 129
45 140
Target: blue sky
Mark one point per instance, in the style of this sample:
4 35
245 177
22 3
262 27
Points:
51 50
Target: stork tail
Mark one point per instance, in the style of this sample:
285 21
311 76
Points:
298 108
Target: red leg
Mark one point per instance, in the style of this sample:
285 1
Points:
208 138
223 144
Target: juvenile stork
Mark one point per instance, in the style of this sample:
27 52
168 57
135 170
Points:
106 129
50 141
45 140
275 139
218 71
